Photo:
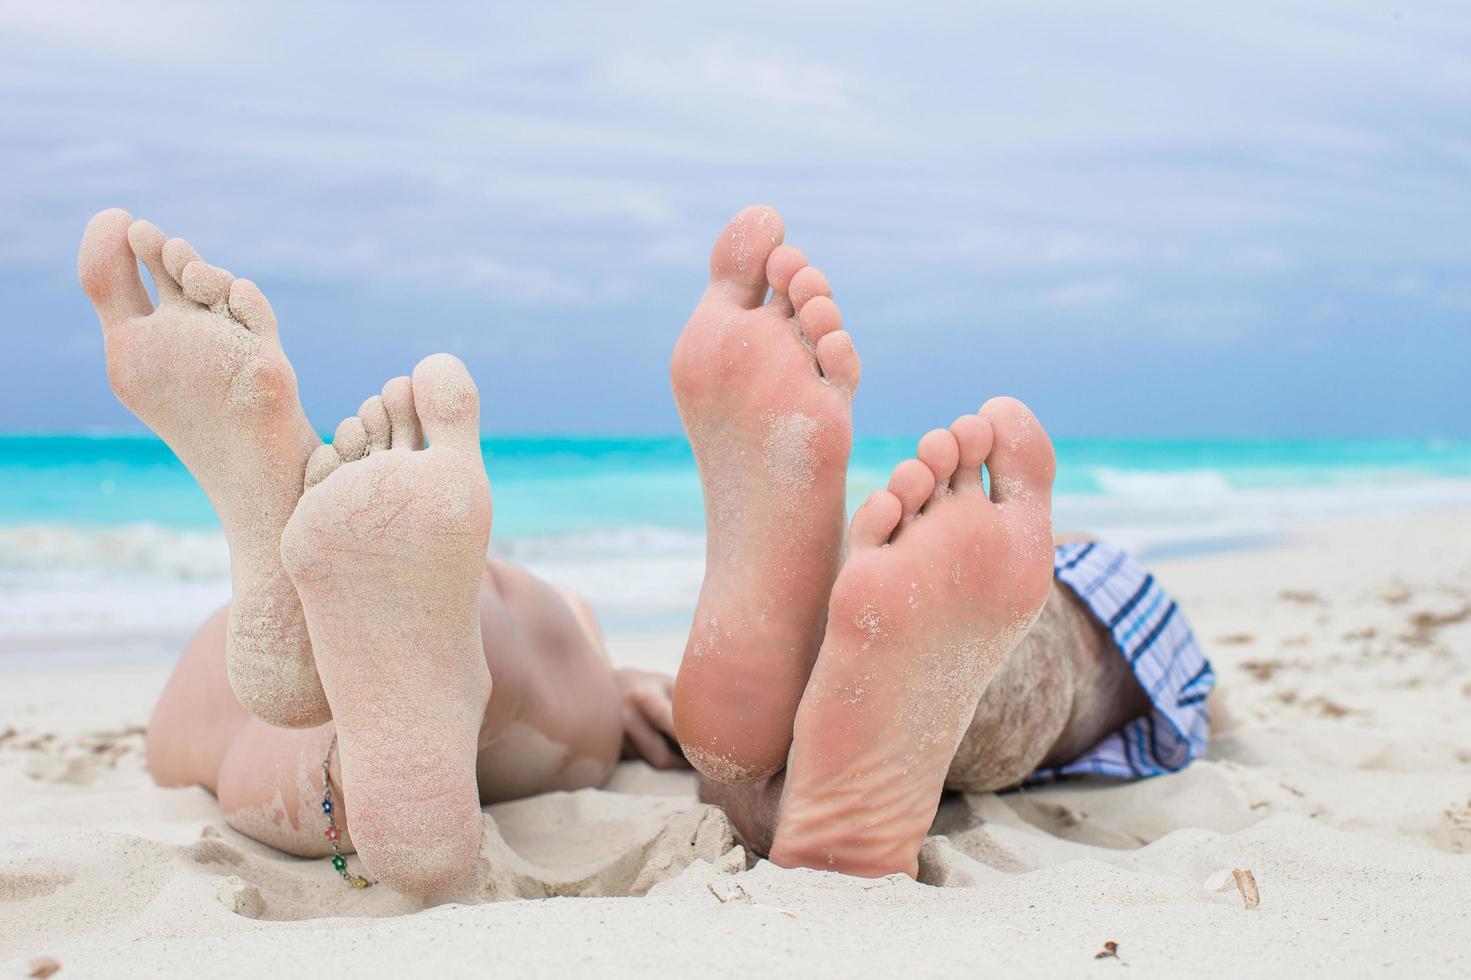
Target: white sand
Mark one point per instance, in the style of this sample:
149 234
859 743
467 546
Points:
1342 780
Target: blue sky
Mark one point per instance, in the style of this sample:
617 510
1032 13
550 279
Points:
1144 218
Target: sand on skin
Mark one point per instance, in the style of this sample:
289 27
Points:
1343 782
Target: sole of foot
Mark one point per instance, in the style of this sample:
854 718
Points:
941 583
387 550
204 369
764 376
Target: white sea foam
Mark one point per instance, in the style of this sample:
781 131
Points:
64 583
640 578
130 550
1173 511
61 584
1146 486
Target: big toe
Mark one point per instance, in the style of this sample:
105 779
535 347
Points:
1021 461
447 402
738 260
108 269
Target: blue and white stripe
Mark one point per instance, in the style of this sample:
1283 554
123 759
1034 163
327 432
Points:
1151 633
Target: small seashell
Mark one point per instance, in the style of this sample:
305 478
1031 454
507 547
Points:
1246 885
1218 881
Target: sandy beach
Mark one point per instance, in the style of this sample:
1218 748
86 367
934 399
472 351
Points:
1339 776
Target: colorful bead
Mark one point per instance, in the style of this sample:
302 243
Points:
338 861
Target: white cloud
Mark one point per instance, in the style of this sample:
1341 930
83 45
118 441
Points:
565 154
1087 295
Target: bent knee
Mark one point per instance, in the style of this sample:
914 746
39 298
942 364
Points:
197 715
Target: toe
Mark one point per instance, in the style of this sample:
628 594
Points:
940 451
839 361
351 439
973 436
147 242
784 263
913 483
447 402
819 317
807 283
108 269
205 284
875 521
403 421
320 465
1020 462
178 253
738 260
248 305
375 423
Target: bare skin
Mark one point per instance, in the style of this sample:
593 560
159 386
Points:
552 677
950 660
386 523
764 376
410 624
941 585
206 372
1055 696
387 548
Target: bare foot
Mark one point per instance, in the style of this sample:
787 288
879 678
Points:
764 388
387 549
940 584
206 372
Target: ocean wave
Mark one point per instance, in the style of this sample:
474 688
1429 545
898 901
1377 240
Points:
1168 512
607 543
1172 485
59 580
647 565
133 549
637 578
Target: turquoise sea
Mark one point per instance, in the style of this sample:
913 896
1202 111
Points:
117 519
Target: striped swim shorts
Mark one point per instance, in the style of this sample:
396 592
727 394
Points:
1151 633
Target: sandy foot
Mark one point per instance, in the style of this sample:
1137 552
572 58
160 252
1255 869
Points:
206 372
387 549
940 584
764 386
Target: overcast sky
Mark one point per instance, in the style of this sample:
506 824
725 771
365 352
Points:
1143 218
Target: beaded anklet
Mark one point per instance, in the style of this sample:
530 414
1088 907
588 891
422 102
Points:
338 861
